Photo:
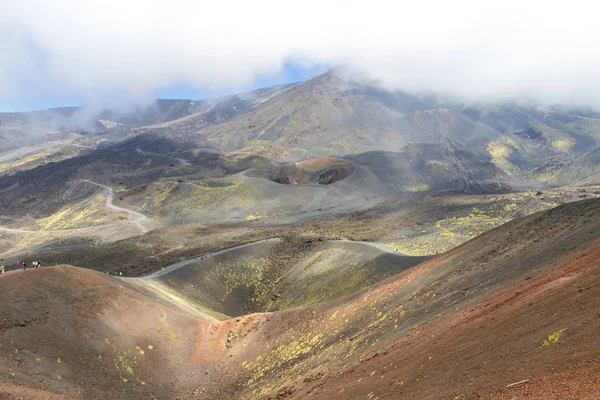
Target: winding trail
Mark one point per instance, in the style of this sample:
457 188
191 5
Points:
135 217
173 267
180 264
139 217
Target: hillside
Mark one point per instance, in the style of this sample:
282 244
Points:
512 313
438 144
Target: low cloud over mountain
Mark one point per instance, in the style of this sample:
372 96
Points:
533 51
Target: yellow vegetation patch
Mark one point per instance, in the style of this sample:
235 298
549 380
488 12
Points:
85 213
500 152
553 338
26 160
445 234
253 217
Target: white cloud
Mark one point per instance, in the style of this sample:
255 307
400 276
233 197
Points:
545 51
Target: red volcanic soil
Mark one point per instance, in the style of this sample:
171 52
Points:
517 305
466 324
479 349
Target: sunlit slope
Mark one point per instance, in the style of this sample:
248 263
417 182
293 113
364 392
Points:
259 193
515 305
87 335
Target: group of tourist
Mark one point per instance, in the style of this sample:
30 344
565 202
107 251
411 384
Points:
204 257
21 265
120 273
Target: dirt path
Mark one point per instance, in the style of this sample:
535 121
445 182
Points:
181 303
139 217
136 217
172 268
379 246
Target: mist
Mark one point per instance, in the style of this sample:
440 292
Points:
534 51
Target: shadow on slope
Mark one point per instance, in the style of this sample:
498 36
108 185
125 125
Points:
444 166
319 170
278 275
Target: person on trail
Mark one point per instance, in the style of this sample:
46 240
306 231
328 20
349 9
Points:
18 264
24 265
120 273
115 273
1 269
34 264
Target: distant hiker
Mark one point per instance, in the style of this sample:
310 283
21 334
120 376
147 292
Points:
436 252
18 264
115 273
1 269
24 265
34 264
120 273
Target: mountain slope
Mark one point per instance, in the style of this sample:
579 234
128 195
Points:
517 305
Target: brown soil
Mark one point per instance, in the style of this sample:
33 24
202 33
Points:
516 304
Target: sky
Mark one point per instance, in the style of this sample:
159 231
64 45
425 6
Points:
70 52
